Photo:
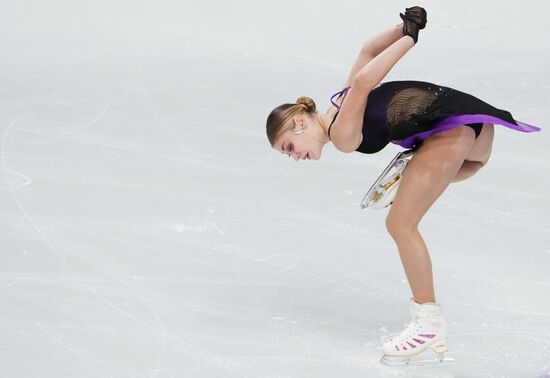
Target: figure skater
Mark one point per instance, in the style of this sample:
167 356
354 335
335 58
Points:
450 132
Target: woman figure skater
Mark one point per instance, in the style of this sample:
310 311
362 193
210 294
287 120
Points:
450 132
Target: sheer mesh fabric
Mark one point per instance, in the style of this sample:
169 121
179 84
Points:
415 109
408 102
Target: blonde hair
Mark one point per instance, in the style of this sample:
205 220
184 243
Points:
280 118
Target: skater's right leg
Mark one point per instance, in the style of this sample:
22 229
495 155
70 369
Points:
427 175
416 262
430 171
425 335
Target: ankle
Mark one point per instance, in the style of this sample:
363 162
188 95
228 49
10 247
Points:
423 300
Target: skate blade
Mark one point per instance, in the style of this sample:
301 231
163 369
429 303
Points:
382 194
416 361
386 182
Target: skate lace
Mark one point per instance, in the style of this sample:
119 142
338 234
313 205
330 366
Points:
412 329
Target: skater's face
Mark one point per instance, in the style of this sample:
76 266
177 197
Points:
303 142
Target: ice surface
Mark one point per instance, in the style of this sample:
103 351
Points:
148 230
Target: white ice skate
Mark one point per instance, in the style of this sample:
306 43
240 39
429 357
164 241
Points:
423 342
382 193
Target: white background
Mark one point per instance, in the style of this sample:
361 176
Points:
147 229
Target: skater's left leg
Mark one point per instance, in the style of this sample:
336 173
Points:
483 145
430 171
468 169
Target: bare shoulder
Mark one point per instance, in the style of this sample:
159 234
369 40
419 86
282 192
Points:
347 130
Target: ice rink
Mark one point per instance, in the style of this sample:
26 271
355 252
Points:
147 228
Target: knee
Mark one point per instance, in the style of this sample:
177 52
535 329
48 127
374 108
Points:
468 169
473 165
399 227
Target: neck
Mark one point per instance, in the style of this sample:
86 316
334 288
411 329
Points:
324 121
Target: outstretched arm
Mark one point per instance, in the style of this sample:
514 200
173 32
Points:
347 131
373 73
380 42
371 48
414 19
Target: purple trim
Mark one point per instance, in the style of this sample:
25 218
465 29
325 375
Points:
451 122
429 336
343 91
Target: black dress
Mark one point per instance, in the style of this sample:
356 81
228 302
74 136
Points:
407 112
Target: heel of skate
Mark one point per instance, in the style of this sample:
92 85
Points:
440 347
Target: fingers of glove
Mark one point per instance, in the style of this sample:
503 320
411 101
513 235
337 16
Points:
417 17
414 13
421 12
414 19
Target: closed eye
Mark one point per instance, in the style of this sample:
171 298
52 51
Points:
287 149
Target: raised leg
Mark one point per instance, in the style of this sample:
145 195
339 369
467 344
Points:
478 155
481 150
468 169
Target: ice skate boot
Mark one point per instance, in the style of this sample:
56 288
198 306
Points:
423 342
382 193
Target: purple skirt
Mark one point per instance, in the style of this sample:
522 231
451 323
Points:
453 121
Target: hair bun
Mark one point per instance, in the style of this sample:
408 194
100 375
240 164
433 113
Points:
308 103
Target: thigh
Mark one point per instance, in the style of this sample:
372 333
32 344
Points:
481 150
428 174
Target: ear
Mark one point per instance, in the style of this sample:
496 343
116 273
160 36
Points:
299 121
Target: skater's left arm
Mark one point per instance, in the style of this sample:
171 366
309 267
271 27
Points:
380 42
371 48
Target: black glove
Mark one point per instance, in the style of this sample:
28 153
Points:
418 15
414 19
